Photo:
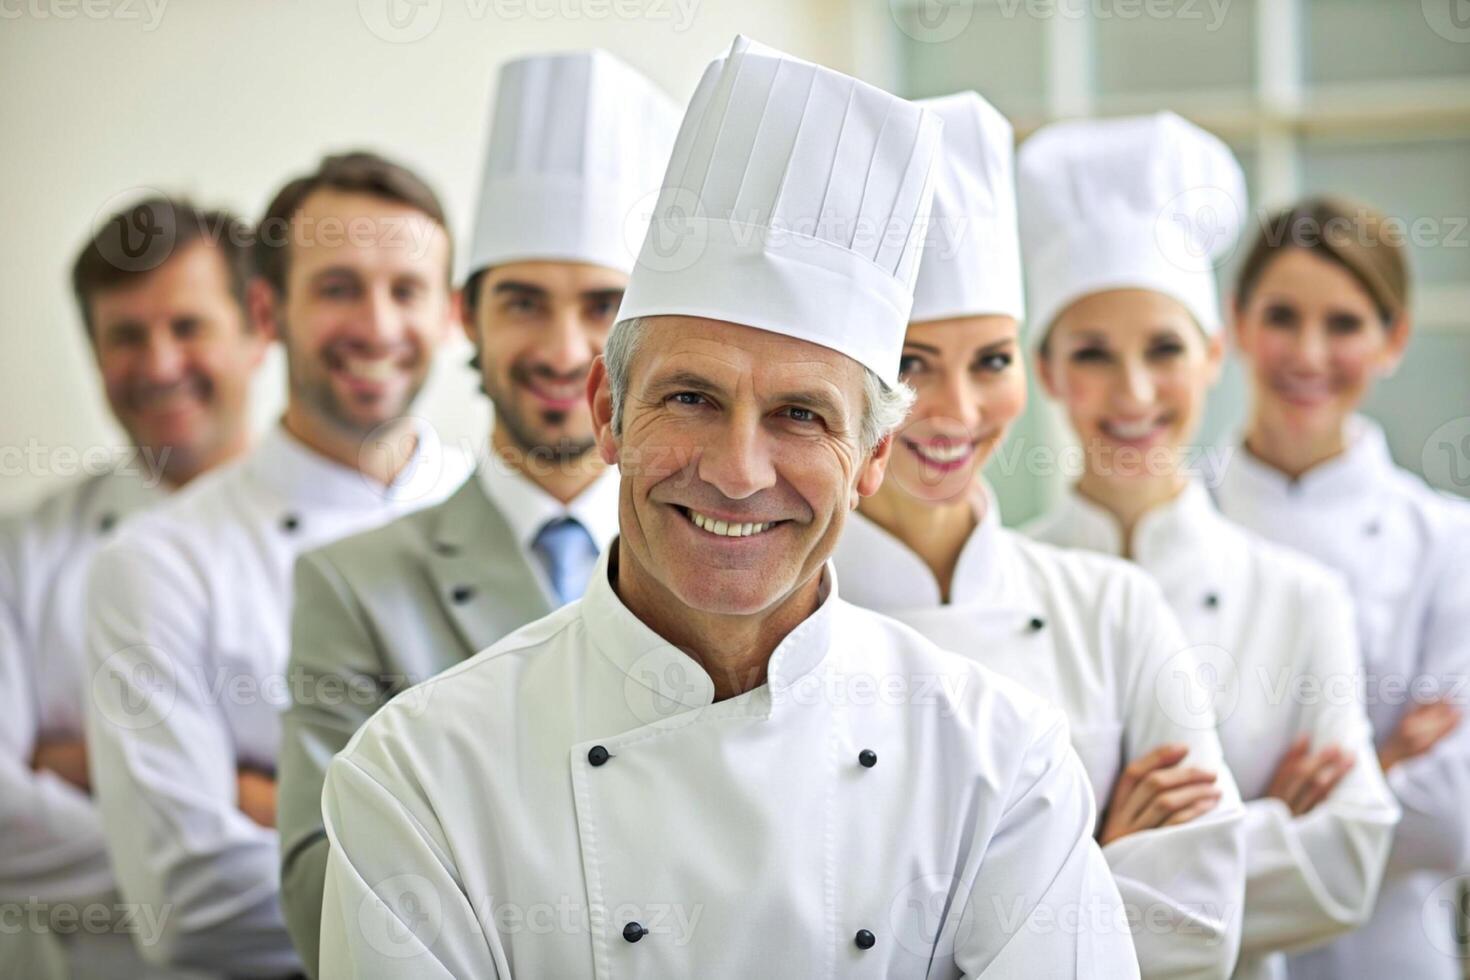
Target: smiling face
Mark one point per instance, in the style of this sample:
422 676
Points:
740 460
1314 343
366 303
176 359
1132 369
538 327
970 386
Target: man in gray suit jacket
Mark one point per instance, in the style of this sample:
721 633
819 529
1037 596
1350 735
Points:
578 144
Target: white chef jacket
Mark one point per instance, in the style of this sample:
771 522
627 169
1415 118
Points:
52 853
187 642
1270 627
528 508
524 813
1405 551
1094 637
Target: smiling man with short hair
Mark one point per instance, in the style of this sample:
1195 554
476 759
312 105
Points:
711 766
575 141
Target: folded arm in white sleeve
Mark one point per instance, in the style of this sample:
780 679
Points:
1315 876
164 769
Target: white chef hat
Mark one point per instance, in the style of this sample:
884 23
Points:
972 257
576 140
795 202
1146 202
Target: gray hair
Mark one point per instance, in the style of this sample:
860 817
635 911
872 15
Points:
884 407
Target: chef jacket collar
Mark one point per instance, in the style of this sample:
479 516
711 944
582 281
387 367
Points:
527 508
905 583
301 475
657 666
1177 528
1365 463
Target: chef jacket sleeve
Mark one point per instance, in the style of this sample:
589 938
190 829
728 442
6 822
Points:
1184 885
1434 788
1042 902
163 767
393 903
335 669
50 833
1313 877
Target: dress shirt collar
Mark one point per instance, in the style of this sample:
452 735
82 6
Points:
527 508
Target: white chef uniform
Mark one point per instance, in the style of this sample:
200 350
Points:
1095 638
52 852
1151 202
1405 551
1089 634
572 803
187 641
1276 645
475 835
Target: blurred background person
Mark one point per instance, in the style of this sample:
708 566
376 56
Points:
1321 313
188 606
160 289
1119 264
577 144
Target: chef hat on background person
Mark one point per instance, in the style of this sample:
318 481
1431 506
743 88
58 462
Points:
972 257
576 142
796 202
1146 202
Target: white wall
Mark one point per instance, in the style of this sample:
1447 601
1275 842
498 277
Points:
223 100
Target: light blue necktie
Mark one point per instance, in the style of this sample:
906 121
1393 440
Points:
568 553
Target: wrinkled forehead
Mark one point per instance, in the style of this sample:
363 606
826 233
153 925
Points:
735 356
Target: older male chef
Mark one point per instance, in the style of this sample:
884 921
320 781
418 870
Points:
188 617
711 766
176 353
577 143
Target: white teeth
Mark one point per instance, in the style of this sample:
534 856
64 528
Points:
944 454
727 529
1134 430
376 369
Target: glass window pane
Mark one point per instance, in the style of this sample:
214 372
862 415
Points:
1000 52
1181 46
1357 40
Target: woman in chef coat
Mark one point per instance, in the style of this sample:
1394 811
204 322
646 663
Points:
1120 223
1091 634
1321 312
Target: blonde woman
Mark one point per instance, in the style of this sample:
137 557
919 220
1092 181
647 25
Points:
1090 634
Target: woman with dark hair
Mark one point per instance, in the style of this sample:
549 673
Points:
1320 314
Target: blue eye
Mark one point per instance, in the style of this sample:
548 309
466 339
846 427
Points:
687 398
995 363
